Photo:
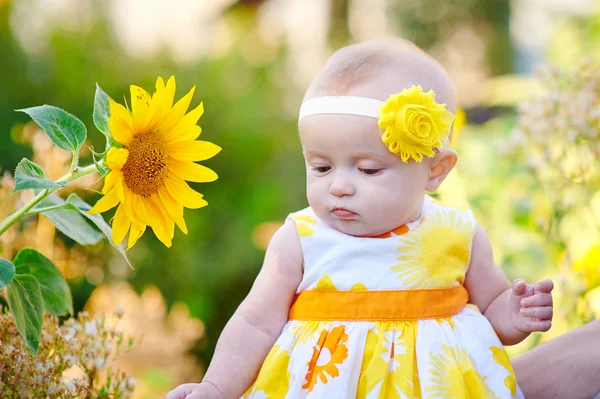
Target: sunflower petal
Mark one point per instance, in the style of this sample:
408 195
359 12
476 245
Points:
114 179
189 134
191 171
162 102
109 181
187 124
120 123
197 150
138 209
178 111
180 190
120 187
140 108
137 230
174 209
160 227
116 158
121 224
180 221
109 201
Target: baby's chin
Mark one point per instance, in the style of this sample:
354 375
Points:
355 227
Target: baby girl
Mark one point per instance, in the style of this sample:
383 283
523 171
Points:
376 290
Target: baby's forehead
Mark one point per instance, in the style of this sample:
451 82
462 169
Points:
347 136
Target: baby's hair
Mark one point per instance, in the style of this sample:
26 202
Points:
357 64
398 63
352 65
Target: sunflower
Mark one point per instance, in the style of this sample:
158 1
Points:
156 155
274 377
454 376
436 253
501 357
389 368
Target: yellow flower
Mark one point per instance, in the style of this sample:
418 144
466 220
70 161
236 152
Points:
454 376
436 253
148 174
302 224
501 357
274 377
414 124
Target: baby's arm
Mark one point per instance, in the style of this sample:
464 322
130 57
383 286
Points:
255 325
514 311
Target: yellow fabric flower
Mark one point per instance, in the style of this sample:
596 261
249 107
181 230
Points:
148 174
414 124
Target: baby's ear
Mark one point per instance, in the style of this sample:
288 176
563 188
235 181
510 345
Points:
441 164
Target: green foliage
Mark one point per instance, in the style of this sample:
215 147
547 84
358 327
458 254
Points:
73 220
101 111
30 175
66 218
34 285
54 289
7 272
27 306
65 130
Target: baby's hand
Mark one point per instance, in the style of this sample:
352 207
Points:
195 391
531 305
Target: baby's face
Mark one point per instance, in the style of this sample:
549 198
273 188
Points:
354 183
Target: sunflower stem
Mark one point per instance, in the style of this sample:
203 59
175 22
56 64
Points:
69 177
74 162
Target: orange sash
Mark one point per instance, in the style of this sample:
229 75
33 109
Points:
392 305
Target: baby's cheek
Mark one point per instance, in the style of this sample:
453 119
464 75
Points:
315 195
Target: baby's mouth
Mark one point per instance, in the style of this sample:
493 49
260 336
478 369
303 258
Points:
342 213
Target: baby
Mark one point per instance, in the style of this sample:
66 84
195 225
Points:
376 290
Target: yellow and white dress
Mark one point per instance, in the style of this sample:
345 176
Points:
386 317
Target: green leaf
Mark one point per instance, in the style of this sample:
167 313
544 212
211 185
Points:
55 290
7 272
64 129
68 220
101 111
98 220
102 170
27 306
30 175
75 203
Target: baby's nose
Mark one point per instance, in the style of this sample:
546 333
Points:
341 185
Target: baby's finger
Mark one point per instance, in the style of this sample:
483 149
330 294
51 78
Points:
519 287
538 325
180 392
537 300
545 285
520 290
543 313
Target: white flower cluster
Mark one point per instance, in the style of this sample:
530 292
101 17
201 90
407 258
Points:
70 361
559 131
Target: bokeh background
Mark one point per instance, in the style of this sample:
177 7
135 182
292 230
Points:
529 169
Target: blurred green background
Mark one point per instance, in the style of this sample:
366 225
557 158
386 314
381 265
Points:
251 61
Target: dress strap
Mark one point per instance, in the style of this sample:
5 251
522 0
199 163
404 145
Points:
387 305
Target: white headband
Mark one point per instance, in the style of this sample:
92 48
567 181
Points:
348 105
413 123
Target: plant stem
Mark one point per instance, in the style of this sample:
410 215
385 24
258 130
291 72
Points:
74 162
69 177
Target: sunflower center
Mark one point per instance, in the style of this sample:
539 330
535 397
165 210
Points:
145 168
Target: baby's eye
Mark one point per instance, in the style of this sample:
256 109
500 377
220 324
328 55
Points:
321 169
370 171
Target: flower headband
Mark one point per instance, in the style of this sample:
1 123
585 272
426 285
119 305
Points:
413 123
